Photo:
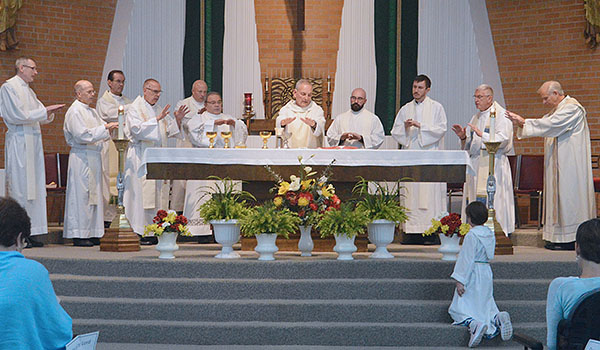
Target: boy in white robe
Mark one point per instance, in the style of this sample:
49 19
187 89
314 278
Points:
86 134
421 125
357 127
473 303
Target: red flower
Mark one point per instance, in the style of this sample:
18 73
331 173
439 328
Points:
180 219
292 197
301 213
162 214
314 207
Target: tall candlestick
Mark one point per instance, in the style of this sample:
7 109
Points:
121 117
493 123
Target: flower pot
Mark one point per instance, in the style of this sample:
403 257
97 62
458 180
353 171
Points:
266 246
449 247
227 233
167 244
305 244
381 233
344 246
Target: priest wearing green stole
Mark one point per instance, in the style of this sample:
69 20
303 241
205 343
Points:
421 125
568 182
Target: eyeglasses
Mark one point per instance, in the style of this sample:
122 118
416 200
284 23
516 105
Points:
219 102
479 97
154 91
354 98
30 67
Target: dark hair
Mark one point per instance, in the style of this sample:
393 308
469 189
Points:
588 240
422 77
477 212
13 220
111 74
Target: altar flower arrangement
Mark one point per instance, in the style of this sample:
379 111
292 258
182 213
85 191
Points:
305 194
167 221
448 225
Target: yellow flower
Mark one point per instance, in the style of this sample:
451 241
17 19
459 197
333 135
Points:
148 229
445 228
283 188
327 191
464 228
171 217
303 201
278 201
306 184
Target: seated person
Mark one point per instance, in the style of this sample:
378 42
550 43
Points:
30 314
565 292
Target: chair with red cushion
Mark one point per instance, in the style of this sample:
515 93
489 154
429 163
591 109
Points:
530 180
56 165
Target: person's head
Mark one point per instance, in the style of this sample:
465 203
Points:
551 93
477 213
84 91
303 93
26 69
152 91
358 99
15 225
421 86
116 82
214 103
484 97
587 241
199 90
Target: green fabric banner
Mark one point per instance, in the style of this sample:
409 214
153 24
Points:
213 55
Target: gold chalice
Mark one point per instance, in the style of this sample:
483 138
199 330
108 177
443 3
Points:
226 135
211 138
265 137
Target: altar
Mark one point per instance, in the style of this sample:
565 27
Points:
247 164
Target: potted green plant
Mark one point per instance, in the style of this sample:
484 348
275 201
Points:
382 207
344 224
266 222
227 204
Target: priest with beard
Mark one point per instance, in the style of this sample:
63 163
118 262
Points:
357 127
212 119
302 119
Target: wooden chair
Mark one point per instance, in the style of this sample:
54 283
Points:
56 168
530 181
576 331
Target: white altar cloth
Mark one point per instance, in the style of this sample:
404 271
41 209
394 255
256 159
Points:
310 157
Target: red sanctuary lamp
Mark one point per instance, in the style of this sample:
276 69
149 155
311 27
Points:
248 110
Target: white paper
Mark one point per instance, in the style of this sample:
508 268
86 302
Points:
593 345
84 342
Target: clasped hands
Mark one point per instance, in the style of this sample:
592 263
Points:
351 136
306 120
411 122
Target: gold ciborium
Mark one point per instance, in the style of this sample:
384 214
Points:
211 138
226 135
265 137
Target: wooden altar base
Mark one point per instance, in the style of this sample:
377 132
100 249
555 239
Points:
119 240
321 244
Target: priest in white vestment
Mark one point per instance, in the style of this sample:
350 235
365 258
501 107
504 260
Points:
86 134
421 125
568 182
107 107
302 119
356 127
147 125
23 113
195 105
211 120
472 138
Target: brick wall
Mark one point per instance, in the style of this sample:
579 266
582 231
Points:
539 40
68 41
316 46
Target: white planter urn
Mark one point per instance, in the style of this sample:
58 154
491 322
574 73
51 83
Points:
344 246
227 233
305 244
266 246
449 247
381 233
167 244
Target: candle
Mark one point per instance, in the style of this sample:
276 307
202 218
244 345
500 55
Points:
328 83
121 115
492 123
267 83
247 98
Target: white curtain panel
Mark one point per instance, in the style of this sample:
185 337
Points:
154 48
448 53
356 55
241 68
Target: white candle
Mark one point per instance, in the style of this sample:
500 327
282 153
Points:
328 83
121 116
493 124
